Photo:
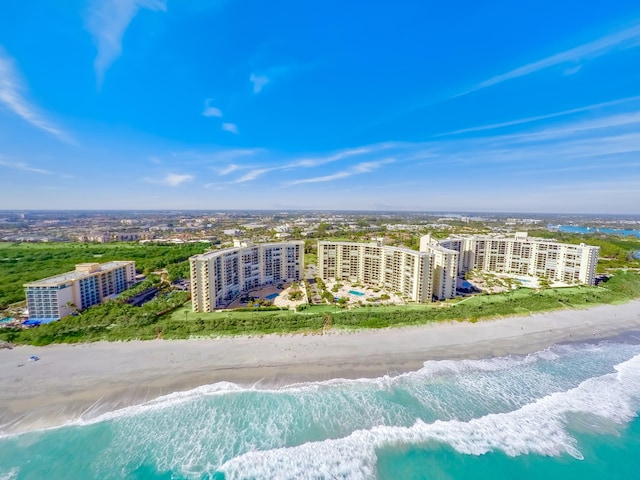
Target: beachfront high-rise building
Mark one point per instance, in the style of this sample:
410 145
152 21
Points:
523 255
218 277
55 297
431 273
418 276
445 267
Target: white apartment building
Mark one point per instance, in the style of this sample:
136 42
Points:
431 273
413 274
445 267
218 277
523 255
55 297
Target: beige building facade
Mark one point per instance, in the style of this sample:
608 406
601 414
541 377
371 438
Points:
416 275
520 254
432 272
218 277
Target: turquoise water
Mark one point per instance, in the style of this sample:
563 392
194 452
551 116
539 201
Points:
567 412
581 229
272 296
355 292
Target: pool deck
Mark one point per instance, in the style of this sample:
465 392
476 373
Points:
364 292
281 298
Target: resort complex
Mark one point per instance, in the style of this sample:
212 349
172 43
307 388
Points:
432 272
55 297
523 255
218 277
418 276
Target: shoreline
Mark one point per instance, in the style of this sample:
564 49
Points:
73 381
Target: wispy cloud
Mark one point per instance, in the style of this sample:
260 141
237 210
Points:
210 111
228 169
627 38
537 118
24 167
11 95
304 163
364 167
107 22
253 174
314 162
259 82
230 127
262 77
170 179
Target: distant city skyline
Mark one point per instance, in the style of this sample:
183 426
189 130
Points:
199 105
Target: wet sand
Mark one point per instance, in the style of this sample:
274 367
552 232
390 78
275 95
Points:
86 380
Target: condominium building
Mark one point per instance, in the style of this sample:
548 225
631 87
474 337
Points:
444 262
413 274
523 255
431 273
218 277
55 297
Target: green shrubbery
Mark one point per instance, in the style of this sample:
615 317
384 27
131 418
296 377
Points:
21 263
115 321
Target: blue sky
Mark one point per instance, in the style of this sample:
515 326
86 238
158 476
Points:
529 106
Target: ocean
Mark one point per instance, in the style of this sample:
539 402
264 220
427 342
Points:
568 412
583 229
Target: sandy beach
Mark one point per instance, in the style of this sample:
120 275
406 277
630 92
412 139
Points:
86 380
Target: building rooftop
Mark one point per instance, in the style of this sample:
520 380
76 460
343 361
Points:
84 271
215 253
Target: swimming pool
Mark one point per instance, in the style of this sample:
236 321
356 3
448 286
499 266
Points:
272 296
355 292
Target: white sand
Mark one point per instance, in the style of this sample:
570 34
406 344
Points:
86 380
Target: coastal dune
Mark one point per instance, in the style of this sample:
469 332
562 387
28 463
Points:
83 381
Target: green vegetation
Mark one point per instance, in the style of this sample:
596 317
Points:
113 320
163 317
310 259
25 262
166 317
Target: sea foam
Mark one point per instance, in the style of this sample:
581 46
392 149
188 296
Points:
538 427
335 428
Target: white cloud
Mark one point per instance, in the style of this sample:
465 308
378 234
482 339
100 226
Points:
23 167
314 162
174 179
542 117
11 87
107 22
304 163
171 179
210 111
229 169
627 38
364 167
230 127
253 174
259 82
